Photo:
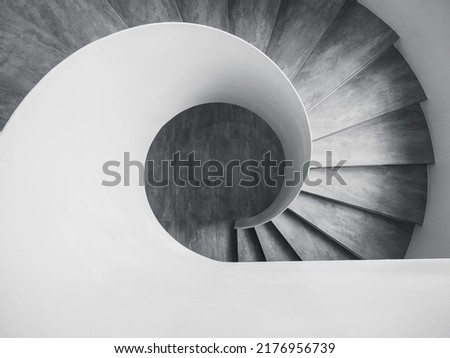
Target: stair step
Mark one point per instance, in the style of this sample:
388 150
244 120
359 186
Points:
253 20
397 138
387 84
38 35
212 13
141 12
299 27
226 241
28 52
8 103
31 14
309 243
274 245
355 38
249 248
399 192
75 23
368 235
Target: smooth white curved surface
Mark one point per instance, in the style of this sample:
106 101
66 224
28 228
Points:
137 80
79 259
127 86
143 77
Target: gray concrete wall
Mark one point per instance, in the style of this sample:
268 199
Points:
202 218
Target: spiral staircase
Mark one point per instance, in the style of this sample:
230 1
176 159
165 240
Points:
362 100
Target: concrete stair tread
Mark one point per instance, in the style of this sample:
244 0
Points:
309 243
399 192
387 84
354 39
75 23
396 138
141 12
28 52
292 40
369 236
274 245
205 12
249 248
38 35
253 20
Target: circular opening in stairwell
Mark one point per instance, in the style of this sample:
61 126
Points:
205 170
217 67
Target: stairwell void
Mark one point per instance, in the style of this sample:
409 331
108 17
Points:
201 214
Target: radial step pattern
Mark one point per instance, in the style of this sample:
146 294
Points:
299 27
253 20
367 235
28 52
249 248
309 243
74 23
399 192
274 245
397 138
354 39
386 85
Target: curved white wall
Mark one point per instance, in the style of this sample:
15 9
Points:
75 262
424 30
143 77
